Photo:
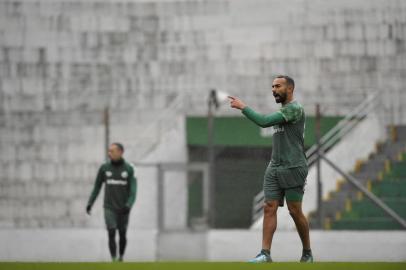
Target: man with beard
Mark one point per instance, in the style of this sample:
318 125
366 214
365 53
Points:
119 196
286 173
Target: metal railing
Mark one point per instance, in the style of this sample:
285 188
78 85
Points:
333 136
357 184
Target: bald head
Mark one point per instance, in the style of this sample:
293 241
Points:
116 151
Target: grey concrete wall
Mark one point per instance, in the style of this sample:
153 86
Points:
62 62
214 245
61 55
336 246
72 245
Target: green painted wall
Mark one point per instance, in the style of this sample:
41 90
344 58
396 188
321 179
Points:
238 131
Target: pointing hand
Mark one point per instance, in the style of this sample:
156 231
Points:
236 103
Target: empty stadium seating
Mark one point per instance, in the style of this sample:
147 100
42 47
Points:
63 62
384 174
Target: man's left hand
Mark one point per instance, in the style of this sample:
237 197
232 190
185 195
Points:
125 210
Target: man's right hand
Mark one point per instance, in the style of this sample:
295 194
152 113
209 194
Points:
89 209
236 103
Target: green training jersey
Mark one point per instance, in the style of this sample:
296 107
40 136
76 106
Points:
120 185
288 125
288 137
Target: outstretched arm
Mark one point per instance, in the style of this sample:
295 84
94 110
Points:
259 119
263 120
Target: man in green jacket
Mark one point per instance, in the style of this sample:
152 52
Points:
286 174
119 196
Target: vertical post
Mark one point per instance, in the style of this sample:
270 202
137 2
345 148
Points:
210 154
392 130
206 195
160 213
392 111
106 120
160 210
320 216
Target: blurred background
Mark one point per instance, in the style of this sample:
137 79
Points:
152 74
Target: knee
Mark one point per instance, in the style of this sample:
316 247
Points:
122 234
270 208
112 233
294 211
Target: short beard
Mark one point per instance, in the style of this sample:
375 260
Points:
281 98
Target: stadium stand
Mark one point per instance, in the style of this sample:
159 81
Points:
384 174
63 62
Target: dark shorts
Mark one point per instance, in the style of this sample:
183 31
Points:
115 220
280 183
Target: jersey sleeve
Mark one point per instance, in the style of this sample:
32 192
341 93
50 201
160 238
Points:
263 120
291 113
132 186
97 186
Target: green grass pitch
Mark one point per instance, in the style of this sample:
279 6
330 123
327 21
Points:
202 266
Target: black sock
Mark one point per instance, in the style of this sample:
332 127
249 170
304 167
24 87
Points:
266 251
307 252
112 243
122 242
